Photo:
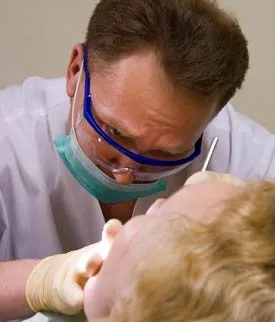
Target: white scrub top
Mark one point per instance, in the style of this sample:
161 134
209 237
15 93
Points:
43 209
54 317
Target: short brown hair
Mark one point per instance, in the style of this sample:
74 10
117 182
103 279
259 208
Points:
199 46
221 271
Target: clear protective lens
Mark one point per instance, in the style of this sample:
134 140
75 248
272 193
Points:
110 160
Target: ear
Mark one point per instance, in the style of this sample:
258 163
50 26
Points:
74 69
111 229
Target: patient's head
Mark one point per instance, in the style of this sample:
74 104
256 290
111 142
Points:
205 254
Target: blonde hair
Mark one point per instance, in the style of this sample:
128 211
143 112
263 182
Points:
222 271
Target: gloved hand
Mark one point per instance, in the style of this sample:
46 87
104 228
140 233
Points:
56 283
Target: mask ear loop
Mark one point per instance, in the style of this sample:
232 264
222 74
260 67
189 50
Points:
73 125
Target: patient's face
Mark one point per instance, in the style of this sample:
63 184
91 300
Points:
201 201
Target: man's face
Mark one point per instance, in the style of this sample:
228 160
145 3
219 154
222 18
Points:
135 104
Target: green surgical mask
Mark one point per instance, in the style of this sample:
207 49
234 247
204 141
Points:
96 182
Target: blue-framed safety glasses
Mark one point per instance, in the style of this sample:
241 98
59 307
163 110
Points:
103 147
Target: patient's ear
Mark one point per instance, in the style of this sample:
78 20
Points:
111 229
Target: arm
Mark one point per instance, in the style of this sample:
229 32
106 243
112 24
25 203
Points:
55 283
13 278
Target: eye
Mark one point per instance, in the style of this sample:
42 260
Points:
165 155
114 131
119 136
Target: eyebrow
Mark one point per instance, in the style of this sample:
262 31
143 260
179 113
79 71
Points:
177 151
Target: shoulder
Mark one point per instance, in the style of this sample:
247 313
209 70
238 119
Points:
33 95
25 139
24 125
229 120
245 149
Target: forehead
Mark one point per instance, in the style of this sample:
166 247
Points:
200 201
135 92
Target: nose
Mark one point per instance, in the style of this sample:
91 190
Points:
126 176
124 173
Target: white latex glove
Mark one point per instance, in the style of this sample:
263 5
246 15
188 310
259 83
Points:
56 283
